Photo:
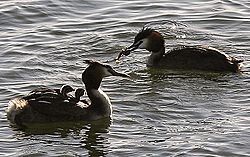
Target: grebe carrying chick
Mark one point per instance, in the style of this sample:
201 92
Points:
202 58
48 105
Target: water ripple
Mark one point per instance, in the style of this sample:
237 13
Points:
156 112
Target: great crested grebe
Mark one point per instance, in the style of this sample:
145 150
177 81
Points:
186 57
47 105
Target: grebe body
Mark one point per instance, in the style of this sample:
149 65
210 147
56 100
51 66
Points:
185 57
44 105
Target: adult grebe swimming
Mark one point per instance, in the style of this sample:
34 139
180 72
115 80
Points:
186 57
47 105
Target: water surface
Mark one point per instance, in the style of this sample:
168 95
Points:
157 112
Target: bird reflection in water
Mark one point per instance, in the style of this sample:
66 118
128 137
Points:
88 136
95 142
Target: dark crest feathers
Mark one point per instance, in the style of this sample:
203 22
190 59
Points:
143 33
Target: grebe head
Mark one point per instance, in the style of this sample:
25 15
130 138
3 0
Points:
79 92
148 39
96 71
65 89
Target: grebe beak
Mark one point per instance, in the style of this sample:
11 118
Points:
128 50
115 73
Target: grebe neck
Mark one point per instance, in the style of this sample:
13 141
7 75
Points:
155 57
100 101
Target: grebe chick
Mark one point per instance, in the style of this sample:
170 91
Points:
78 93
83 103
49 106
63 91
202 58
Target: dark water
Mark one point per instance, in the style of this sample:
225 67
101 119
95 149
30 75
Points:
156 113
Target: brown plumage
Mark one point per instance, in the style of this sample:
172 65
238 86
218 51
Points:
48 105
185 57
